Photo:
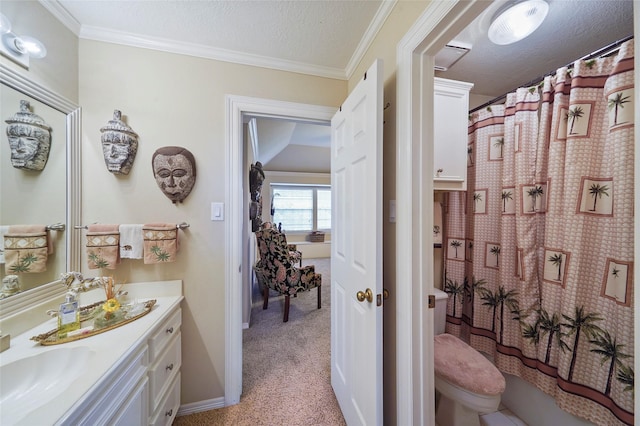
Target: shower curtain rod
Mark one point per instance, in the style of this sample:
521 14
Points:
600 52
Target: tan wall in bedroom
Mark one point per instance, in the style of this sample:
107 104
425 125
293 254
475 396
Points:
171 99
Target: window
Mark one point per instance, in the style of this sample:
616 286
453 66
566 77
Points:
302 208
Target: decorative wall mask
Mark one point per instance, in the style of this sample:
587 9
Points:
174 168
10 286
119 145
29 138
256 177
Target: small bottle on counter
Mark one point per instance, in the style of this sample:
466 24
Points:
68 317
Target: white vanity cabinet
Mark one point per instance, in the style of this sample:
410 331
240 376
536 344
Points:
127 376
121 398
450 122
164 372
144 387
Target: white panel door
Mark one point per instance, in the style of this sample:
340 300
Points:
356 252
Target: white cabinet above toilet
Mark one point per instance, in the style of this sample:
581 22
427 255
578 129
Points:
450 121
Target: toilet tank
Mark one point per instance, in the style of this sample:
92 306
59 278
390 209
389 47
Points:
440 311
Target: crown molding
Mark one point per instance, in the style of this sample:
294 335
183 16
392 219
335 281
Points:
372 31
225 55
202 51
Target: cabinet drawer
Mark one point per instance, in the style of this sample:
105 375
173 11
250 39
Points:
164 370
161 337
168 408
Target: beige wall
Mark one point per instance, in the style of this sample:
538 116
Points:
404 14
179 100
58 71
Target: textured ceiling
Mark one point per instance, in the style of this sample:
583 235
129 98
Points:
571 30
318 37
329 37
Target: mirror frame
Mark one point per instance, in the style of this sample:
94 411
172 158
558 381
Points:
30 298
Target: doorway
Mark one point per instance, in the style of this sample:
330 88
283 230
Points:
238 108
439 23
414 371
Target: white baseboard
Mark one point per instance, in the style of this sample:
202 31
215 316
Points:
200 406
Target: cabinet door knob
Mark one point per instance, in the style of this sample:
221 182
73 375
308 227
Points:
169 413
170 367
169 330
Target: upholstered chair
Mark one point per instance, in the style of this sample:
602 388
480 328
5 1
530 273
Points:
276 270
294 253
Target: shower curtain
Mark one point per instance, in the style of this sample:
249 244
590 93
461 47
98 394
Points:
539 250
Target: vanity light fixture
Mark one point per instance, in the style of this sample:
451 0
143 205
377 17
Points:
19 48
517 21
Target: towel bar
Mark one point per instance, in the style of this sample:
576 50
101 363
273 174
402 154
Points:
56 227
182 225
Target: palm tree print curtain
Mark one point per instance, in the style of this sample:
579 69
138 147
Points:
539 250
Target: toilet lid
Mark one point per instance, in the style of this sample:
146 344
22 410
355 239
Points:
463 366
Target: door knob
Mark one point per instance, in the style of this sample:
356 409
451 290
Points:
366 295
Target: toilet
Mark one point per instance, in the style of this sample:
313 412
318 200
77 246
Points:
468 383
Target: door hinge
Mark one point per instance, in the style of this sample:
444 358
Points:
380 297
432 301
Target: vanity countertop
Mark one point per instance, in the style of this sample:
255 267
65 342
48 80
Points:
106 349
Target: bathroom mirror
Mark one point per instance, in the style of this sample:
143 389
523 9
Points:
48 197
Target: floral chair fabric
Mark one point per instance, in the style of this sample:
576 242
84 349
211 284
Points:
276 270
294 253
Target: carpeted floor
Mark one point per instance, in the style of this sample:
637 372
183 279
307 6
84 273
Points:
286 369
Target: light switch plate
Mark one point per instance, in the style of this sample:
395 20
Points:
217 211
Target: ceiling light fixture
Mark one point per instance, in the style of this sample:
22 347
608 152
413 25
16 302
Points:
517 21
19 48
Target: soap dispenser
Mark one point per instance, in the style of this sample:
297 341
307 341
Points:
68 316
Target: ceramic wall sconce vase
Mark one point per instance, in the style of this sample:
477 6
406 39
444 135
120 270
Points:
29 139
119 145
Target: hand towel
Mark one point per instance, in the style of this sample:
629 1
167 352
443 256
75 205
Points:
131 241
4 229
160 242
103 246
26 249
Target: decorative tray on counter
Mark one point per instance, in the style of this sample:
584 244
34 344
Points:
87 314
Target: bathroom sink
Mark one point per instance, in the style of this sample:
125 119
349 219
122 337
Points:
31 382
